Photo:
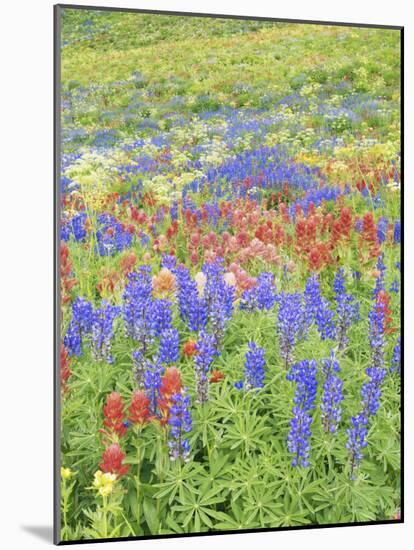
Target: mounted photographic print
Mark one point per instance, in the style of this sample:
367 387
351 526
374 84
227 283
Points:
228 274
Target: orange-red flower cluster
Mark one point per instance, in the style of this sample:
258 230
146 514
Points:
170 385
112 460
139 413
114 417
65 371
189 348
216 376
384 300
67 281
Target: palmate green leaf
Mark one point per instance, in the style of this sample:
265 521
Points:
235 522
176 480
247 432
198 507
262 507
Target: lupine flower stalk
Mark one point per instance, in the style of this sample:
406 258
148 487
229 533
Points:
347 310
103 331
371 390
180 424
152 383
332 394
254 367
206 350
318 309
304 374
290 325
169 346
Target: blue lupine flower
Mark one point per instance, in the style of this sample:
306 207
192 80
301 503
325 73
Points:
298 438
193 309
347 309
159 316
168 261
180 423
152 383
103 331
379 282
396 357
169 346
395 286
254 367
82 312
111 236
371 392
304 374
239 385
318 309
290 324
382 227
197 314
137 308
206 348
217 322
376 334
332 394
79 326
76 227
358 225
216 290
73 340
261 296
397 232
139 366
357 434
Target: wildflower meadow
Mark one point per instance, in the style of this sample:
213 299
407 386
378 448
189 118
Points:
230 277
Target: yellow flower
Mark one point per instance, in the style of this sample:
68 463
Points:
104 483
66 473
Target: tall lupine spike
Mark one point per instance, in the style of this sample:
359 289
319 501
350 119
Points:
376 334
291 325
103 331
298 438
206 350
80 325
152 384
139 365
332 394
357 434
137 306
193 308
396 357
371 390
304 374
347 310
318 309
262 296
159 316
180 424
217 322
254 367
397 232
169 346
